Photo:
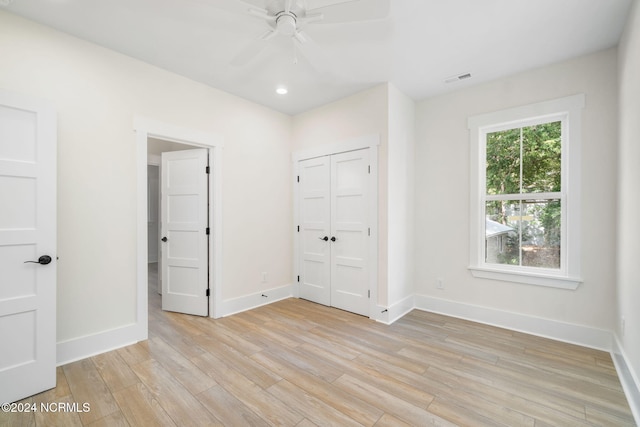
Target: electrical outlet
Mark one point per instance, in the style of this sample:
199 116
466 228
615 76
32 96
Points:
439 283
264 277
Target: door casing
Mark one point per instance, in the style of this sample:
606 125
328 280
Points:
149 128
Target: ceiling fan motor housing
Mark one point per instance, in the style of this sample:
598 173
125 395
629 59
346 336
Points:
286 23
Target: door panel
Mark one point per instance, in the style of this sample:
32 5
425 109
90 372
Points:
334 203
314 225
349 225
27 231
184 214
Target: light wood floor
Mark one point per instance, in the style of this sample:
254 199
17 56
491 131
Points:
296 363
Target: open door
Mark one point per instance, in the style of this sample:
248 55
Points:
27 247
184 231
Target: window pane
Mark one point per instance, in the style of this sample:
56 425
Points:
541 155
541 233
503 162
525 233
502 232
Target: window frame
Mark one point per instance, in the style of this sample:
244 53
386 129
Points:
568 111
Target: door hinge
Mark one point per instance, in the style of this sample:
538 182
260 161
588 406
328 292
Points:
207 291
369 293
369 168
298 178
208 231
298 229
207 170
369 231
298 278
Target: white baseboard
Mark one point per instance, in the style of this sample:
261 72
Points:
628 378
566 332
248 302
396 310
83 347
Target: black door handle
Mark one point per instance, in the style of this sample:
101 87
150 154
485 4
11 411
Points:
164 239
43 260
333 239
325 238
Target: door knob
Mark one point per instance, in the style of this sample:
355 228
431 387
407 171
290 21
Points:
333 239
44 260
164 239
325 238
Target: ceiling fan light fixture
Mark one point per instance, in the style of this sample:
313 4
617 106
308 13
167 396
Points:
281 90
286 24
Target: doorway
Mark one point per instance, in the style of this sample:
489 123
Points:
148 133
177 225
336 224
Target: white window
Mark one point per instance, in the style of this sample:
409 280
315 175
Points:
525 194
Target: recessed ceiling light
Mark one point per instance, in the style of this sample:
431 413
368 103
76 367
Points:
282 90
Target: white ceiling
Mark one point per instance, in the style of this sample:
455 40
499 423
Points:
419 45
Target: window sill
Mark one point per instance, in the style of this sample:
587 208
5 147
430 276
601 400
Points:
560 282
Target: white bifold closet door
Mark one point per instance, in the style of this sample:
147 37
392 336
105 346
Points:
334 230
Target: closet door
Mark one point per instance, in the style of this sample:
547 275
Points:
314 262
350 229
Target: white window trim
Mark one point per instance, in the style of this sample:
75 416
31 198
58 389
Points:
570 110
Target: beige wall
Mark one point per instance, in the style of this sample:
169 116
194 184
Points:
97 93
628 248
442 192
400 190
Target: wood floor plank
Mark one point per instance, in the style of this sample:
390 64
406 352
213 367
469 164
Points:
346 403
140 408
387 420
87 386
184 344
389 403
115 419
25 418
63 418
315 410
228 409
176 400
115 372
136 353
58 392
240 362
188 374
262 403
519 397
377 377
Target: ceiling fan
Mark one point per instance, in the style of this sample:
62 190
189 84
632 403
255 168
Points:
290 18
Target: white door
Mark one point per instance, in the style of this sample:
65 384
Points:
184 242
315 229
350 229
334 230
27 233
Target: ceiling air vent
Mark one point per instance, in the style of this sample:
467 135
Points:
457 78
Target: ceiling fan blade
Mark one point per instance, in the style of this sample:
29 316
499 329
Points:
250 52
287 6
234 6
351 11
310 50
